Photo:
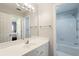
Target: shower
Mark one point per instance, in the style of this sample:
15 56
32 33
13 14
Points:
67 29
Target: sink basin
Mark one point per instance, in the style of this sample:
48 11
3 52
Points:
30 45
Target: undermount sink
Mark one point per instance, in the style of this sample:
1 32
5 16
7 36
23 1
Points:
30 44
20 47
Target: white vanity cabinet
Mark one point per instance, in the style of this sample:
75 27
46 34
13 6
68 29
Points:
39 51
36 47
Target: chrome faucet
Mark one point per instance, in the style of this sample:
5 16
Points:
27 42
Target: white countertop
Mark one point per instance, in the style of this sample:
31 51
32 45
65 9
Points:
22 48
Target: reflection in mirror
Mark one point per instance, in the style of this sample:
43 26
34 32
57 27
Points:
14 27
16 32
14 35
14 23
10 27
26 27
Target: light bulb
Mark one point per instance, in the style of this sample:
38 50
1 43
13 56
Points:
26 4
33 8
29 6
17 4
22 7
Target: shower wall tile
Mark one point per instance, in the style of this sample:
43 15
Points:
66 29
78 25
78 14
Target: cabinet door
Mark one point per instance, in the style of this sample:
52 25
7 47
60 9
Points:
26 27
32 53
43 50
40 51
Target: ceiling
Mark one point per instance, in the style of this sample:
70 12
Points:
11 8
65 7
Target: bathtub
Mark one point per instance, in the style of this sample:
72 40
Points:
68 49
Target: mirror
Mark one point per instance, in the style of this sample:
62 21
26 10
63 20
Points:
14 35
26 27
10 27
14 26
14 23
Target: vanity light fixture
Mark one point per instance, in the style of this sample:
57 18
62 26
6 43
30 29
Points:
26 9
29 6
17 4
25 6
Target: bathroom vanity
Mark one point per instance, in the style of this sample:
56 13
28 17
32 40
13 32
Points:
38 46
41 50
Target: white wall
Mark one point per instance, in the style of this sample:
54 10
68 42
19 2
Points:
47 18
44 17
34 22
44 11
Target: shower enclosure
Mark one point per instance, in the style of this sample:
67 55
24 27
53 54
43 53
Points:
68 31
